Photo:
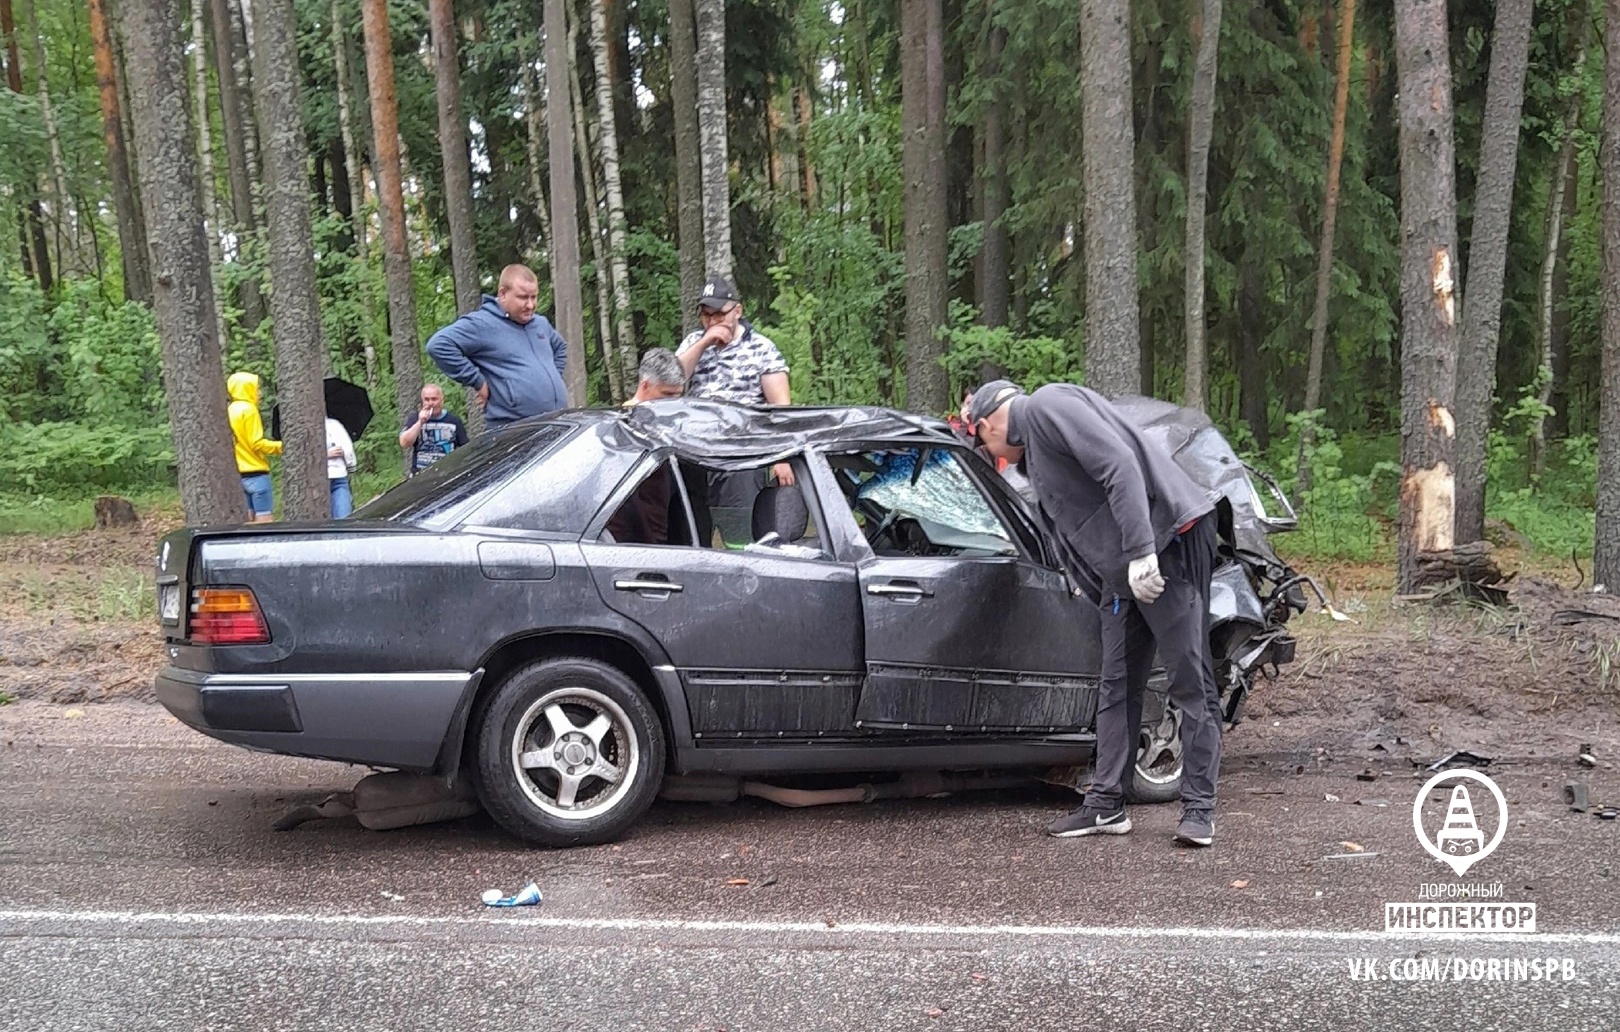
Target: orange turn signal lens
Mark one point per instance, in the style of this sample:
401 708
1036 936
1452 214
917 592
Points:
227 616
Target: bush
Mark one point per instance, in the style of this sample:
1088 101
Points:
64 457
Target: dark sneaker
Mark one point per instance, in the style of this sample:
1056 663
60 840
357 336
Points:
1089 820
1197 828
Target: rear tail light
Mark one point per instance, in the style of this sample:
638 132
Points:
227 616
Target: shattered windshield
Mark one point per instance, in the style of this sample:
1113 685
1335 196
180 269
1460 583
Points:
940 495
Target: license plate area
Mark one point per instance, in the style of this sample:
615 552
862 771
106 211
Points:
169 603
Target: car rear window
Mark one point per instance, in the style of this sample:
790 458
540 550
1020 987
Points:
432 495
560 494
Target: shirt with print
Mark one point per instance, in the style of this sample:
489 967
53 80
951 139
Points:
439 437
732 373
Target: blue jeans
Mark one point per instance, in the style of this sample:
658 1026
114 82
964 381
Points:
256 486
342 498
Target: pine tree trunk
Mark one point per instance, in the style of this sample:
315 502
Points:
131 236
801 121
568 317
205 162
407 348
294 309
995 274
1113 351
354 156
1606 547
239 124
458 202
1428 285
608 141
69 239
593 222
1196 388
1558 419
712 131
1487 258
1248 358
232 105
1556 205
210 487
922 158
534 118
688 154
1330 218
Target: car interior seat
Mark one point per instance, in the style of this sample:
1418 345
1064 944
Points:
781 510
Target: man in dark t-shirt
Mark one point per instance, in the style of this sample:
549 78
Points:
434 433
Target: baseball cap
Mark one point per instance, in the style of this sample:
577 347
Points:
717 293
990 397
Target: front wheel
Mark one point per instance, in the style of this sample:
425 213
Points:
1154 775
569 752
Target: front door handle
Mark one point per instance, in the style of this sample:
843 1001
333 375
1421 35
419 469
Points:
648 582
901 590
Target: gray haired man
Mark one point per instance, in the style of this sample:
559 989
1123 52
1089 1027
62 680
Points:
662 376
1140 536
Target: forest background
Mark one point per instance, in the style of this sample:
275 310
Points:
910 194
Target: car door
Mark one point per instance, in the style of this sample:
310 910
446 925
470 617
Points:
966 629
766 642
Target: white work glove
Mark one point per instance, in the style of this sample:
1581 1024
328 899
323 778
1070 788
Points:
1147 583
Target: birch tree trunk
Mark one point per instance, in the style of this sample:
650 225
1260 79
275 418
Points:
407 348
1606 546
688 155
1113 350
233 119
1428 285
593 221
458 202
294 309
568 317
1195 389
1549 262
712 130
69 238
210 487
608 142
922 157
131 235
1330 218
205 163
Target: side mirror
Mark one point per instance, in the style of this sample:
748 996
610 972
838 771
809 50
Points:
1276 515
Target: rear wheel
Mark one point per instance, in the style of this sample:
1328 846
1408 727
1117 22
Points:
569 752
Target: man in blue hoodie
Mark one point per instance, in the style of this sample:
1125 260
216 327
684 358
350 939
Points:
512 358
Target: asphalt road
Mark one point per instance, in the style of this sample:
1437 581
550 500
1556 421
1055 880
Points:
141 887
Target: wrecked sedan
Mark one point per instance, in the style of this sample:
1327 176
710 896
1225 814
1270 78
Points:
566 616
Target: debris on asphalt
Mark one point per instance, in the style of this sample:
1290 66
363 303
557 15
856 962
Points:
1266 791
393 896
1372 802
1460 758
934 1012
1367 775
1348 856
978 976
1354 847
1241 883
528 896
768 881
736 881
1608 813
74 714
1588 757
1330 797
1575 795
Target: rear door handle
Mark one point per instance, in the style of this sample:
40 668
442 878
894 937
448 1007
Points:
900 590
648 582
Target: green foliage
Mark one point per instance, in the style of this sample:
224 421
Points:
114 358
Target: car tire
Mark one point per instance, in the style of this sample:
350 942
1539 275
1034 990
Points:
568 752
1154 774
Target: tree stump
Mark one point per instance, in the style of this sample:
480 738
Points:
114 511
1468 571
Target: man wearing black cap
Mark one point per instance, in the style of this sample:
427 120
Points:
728 360
1140 536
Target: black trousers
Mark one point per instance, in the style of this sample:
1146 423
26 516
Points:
1178 623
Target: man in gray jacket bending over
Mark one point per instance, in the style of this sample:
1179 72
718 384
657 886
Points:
510 356
1140 537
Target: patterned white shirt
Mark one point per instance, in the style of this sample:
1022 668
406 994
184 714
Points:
732 373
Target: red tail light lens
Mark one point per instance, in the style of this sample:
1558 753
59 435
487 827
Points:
227 616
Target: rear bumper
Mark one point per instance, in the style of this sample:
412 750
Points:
386 720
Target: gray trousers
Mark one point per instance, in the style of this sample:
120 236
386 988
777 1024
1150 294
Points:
1178 622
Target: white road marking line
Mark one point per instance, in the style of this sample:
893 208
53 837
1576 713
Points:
505 919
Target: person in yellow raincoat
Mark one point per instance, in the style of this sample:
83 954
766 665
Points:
253 448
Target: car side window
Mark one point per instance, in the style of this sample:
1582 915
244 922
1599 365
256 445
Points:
921 502
562 491
683 504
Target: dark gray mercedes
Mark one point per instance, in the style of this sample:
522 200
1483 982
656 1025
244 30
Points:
566 616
